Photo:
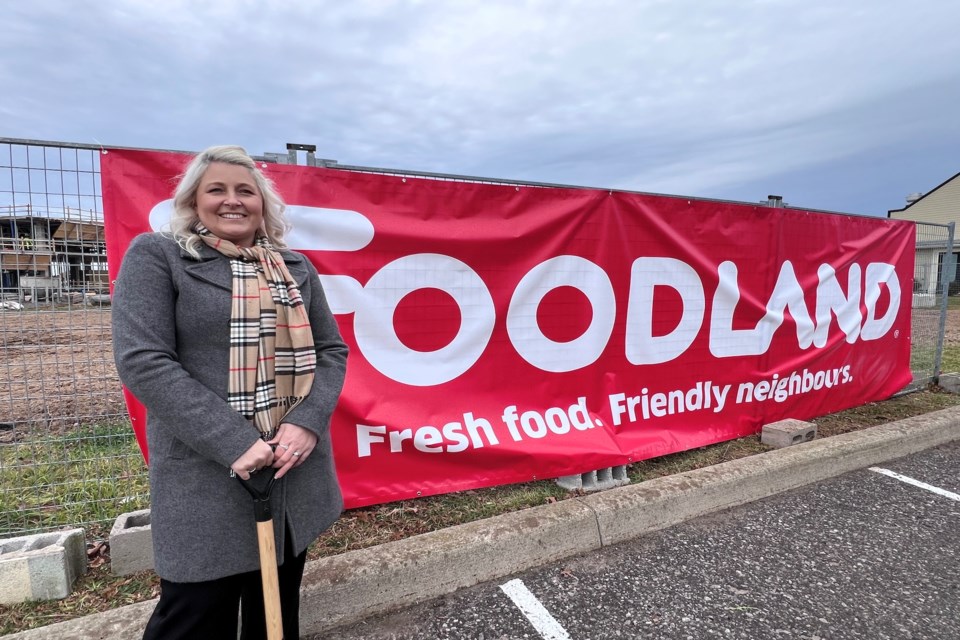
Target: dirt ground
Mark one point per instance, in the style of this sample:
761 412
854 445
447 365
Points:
56 370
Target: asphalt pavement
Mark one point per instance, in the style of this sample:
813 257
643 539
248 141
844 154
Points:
864 555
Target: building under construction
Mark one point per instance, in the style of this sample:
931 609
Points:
46 254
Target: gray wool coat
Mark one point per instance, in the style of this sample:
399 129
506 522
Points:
171 317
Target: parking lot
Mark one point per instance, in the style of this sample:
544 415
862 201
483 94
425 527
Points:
865 555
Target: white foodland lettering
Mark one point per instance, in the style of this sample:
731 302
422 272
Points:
375 302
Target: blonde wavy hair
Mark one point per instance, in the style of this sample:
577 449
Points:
185 218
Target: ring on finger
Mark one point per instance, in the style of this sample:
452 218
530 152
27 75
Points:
285 446
295 454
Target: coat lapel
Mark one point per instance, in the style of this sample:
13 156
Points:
209 269
296 265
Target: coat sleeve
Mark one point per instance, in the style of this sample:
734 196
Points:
315 411
145 351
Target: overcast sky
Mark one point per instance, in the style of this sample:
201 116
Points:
842 105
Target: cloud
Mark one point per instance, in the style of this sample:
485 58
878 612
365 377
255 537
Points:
688 96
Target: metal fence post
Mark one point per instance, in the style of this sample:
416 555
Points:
948 272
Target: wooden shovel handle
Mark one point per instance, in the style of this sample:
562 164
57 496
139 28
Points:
271 585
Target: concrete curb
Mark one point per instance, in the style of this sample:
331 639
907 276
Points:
349 587
629 512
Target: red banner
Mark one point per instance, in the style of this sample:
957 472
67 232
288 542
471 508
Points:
502 334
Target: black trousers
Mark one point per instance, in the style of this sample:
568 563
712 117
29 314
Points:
208 610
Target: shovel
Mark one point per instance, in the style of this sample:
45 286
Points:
268 552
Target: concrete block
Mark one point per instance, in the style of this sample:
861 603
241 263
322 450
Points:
41 566
595 480
950 382
787 432
131 543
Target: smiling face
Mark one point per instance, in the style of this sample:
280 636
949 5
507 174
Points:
230 204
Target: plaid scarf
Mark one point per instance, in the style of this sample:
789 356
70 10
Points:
272 356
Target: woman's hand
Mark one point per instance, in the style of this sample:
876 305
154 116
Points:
257 457
293 445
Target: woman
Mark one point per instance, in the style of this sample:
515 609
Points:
226 338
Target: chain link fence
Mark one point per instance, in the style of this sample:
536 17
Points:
68 456
67 453
934 281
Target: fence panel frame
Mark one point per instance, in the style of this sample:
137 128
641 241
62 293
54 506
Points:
46 440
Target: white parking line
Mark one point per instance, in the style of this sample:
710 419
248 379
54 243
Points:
917 483
536 613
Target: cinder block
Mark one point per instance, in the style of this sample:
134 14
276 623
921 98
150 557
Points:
131 543
787 432
950 382
41 566
595 480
